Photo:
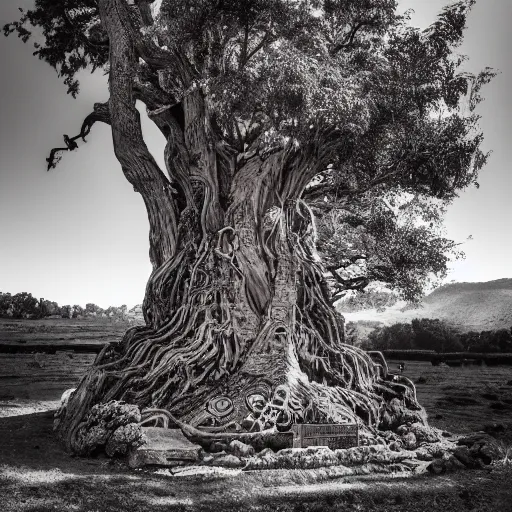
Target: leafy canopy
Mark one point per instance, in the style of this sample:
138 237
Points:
390 106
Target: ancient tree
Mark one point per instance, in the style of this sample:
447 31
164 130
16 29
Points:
274 112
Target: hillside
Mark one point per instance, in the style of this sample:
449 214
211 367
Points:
468 306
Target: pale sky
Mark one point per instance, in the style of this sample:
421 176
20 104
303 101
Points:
79 233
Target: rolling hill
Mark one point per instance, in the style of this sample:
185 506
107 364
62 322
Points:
468 306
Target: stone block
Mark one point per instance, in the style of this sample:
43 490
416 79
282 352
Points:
164 447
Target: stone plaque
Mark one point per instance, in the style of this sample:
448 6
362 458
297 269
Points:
333 436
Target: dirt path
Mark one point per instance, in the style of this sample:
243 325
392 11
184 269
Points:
37 475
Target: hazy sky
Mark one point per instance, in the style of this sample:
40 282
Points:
80 233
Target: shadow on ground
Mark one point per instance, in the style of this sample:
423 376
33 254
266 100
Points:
36 474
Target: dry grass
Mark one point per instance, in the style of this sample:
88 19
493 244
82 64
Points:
462 399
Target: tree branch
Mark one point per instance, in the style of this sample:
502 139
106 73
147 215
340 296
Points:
149 51
349 39
139 166
100 113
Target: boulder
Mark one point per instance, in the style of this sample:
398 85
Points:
395 446
482 446
124 438
164 447
437 467
217 447
410 441
463 455
424 434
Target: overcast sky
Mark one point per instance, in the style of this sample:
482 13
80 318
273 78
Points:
79 233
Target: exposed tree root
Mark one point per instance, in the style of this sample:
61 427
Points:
203 350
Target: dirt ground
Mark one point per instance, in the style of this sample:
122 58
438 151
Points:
37 475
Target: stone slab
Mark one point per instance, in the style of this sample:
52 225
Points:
164 447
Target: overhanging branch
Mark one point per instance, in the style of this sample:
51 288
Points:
100 113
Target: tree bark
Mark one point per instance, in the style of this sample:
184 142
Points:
240 330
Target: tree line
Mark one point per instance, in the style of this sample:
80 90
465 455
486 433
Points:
435 334
25 305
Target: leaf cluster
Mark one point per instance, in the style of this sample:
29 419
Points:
71 36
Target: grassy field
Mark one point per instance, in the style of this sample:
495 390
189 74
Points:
462 399
37 475
36 381
458 399
59 331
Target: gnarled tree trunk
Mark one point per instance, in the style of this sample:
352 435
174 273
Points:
240 332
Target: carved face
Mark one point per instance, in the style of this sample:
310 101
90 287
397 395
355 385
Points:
280 398
256 402
220 406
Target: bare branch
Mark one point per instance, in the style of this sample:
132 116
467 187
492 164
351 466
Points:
100 113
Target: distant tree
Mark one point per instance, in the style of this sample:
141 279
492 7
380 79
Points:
274 113
66 311
50 308
434 334
77 310
502 340
24 305
5 303
397 336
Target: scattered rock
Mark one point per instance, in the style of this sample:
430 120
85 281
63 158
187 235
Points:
101 422
240 449
395 446
424 455
217 447
463 455
229 461
437 467
402 430
453 464
482 446
424 434
487 453
410 441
